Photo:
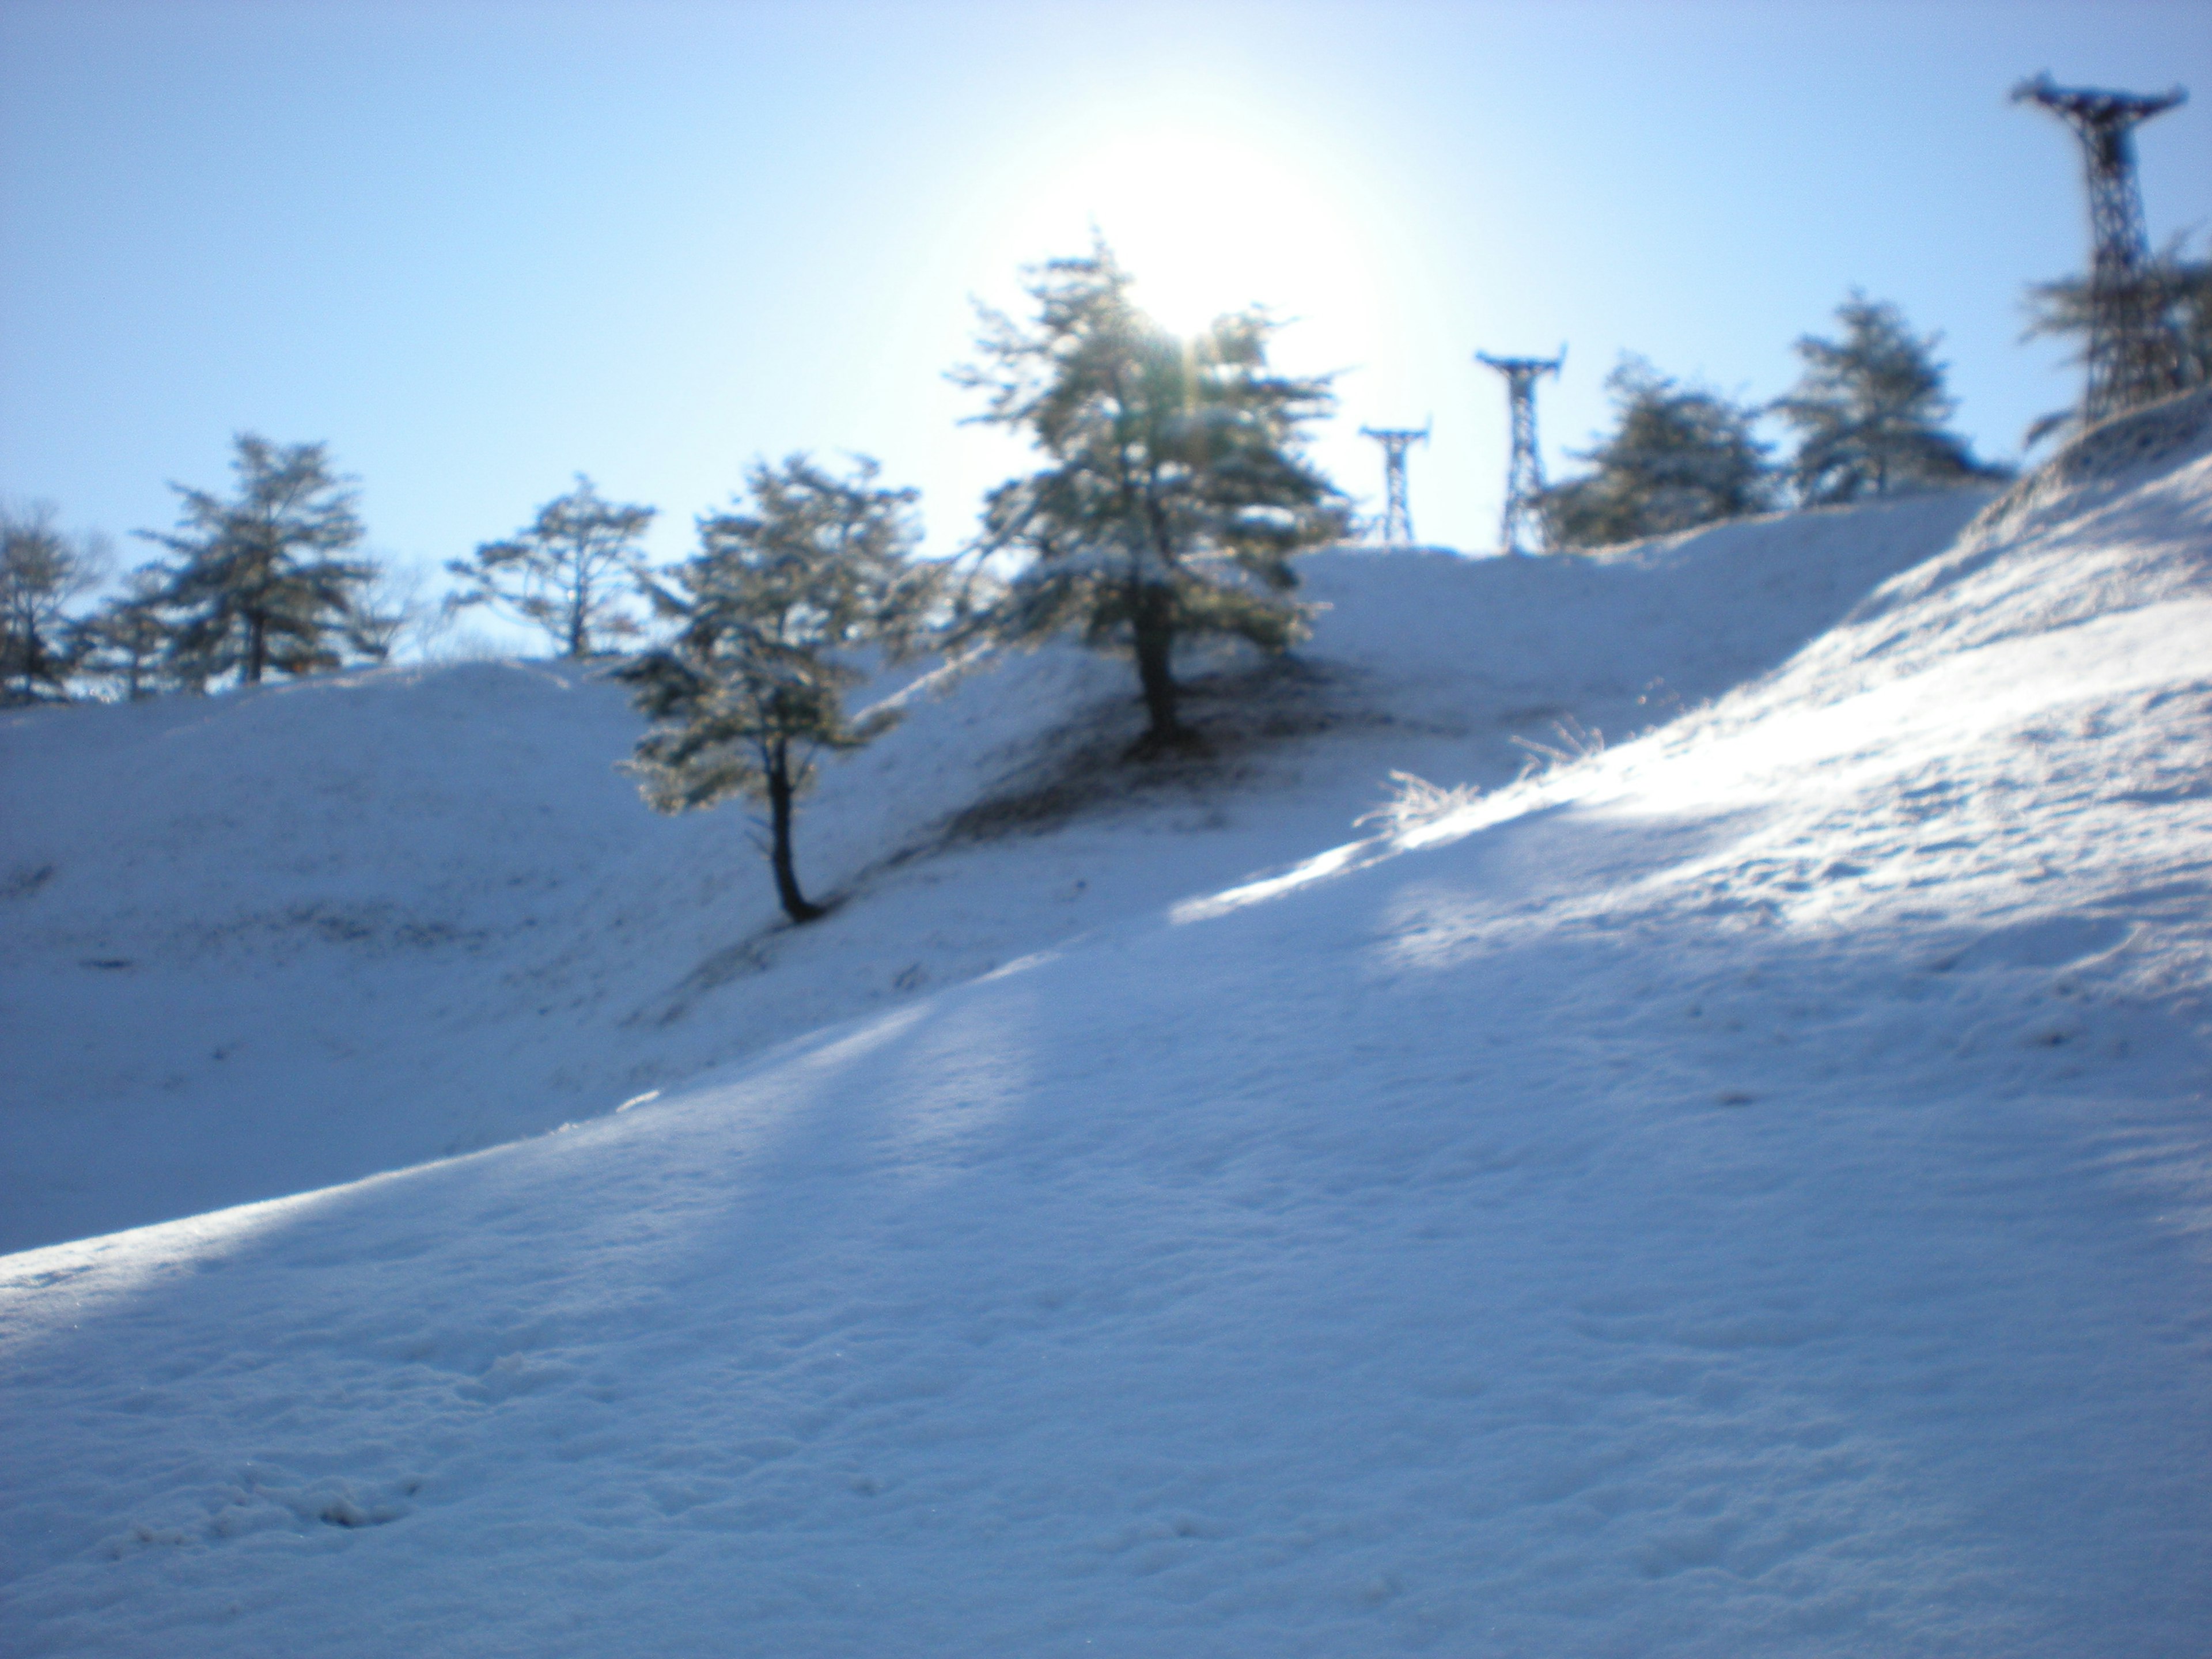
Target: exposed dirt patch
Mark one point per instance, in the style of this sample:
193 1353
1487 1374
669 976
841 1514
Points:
1092 765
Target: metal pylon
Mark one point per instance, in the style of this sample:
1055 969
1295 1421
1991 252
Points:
2134 356
1397 517
1521 528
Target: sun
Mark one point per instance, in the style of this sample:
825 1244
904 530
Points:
1209 217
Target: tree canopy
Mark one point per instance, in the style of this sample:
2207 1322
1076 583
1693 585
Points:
123 645
1869 411
260 581
1174 491
772 617
42 569
561 572
2179 291
1679 457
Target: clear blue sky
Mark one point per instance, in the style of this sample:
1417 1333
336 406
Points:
478 247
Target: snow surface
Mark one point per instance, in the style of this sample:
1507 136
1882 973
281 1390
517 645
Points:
355 923
1746 1190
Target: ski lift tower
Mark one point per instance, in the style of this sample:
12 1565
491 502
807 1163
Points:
1397 518
2133 355
1521 529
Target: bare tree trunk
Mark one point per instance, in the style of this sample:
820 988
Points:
778 803
1153 625
33 649
256 647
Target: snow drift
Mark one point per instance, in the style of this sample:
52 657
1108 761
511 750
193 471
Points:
1744 1190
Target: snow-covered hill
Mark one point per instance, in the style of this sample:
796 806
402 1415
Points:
1744 1191
259 944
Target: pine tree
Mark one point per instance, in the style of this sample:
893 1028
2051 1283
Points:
123 644
42 569
1869 411
561 572
1176 492
2183 286
260 581
1679 457
772 620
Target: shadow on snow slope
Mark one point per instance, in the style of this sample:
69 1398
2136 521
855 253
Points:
1745 1193
266 941
1541 1239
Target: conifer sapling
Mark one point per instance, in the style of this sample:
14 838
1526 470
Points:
790 593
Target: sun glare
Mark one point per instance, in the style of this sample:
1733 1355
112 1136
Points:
1209 219
1215 203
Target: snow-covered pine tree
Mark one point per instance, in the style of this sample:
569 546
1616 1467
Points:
774 617
562 572
42 569
1679 457
260 581
1869 411
1176 491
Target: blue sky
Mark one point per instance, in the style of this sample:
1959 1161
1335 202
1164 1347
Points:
478 247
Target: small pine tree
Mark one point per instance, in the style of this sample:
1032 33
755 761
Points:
260 581
42 569
771 620
1679 457
1176 491
560 572
1869 411
122 647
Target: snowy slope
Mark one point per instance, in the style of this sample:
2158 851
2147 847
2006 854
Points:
352 924
1746 1192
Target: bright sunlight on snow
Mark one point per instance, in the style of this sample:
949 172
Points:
1711 1159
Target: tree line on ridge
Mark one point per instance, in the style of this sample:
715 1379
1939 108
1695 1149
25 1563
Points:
1173 492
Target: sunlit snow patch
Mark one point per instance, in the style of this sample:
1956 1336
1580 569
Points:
95 1273
1503 806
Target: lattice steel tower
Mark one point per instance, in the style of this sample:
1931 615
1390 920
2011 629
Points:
1525 474
1397 518
2133 355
